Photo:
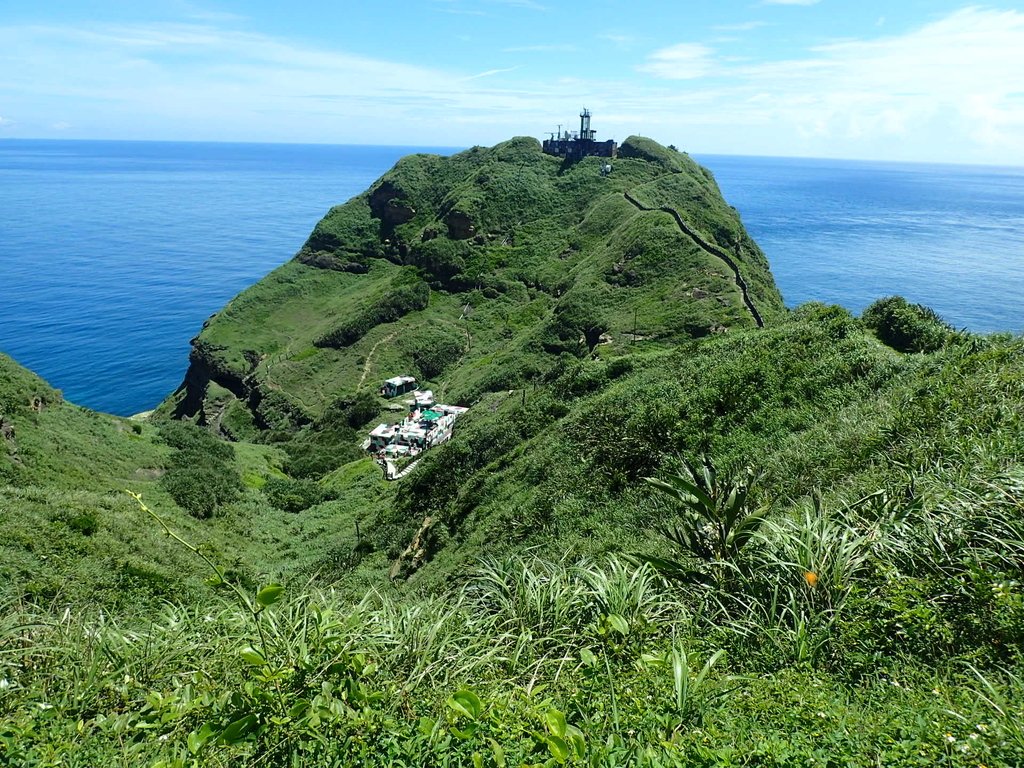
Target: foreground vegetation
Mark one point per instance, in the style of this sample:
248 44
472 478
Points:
600 662
652 541
855 601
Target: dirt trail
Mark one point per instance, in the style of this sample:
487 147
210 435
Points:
369 358
712 249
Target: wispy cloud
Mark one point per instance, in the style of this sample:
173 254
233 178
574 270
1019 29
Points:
462 11
204 81
553 48
490 73
962 69
685 61
531 5
953 82
455 7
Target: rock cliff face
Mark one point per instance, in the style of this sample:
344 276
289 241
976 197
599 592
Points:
522 257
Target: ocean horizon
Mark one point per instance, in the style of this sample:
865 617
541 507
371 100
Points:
115 252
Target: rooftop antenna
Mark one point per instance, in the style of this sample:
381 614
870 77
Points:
585 132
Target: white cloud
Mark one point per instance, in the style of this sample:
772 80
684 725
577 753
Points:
946 90
964 68
528 4
490 72
685 61
620 41
949 89
191 81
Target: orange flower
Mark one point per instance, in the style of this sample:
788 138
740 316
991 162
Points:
811 578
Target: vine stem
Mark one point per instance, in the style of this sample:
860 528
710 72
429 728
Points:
253 610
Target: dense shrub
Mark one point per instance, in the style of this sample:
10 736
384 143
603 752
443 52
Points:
320 448
435 349
202 475
352 410
294 495
199 486
441 259
579 315
189 438
906 327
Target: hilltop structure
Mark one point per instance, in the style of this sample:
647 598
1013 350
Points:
575 146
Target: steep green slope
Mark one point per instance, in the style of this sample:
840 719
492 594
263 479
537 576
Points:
834 580
71 535
558 467
473 272
874 616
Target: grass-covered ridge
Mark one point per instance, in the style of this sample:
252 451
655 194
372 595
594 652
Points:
863 607
511 250
699 543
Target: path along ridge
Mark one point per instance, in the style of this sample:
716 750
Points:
705 245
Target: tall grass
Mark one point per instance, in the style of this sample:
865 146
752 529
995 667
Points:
526 648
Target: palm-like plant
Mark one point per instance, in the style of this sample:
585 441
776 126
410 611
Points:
716 520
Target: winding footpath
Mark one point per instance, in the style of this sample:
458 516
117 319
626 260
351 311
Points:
708 247
369 358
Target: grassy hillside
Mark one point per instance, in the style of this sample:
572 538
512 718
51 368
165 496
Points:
704 542
863 607
473 272
71 535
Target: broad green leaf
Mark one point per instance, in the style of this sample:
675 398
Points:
559 749
574 736
269 595
197 739
426 726
499 753
467 703
555 722
239 729
587 657
618 623
465 733
252 656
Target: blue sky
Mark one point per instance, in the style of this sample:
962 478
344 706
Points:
926 80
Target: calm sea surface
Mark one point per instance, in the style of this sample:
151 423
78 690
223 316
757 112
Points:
112 254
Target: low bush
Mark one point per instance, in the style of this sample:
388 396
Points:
294 495
906 327
200 486
202 475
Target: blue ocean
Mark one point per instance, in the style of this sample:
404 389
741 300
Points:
112 254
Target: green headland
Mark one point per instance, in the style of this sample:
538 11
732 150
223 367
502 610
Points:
677 525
